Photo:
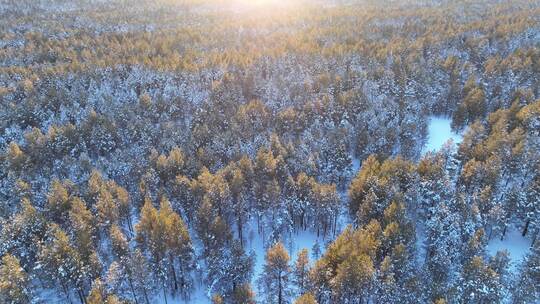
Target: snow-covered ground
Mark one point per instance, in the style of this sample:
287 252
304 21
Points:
516 245
439 132
298 241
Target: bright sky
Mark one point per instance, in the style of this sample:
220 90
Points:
261 3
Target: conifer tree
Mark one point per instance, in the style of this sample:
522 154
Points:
121 251
527 285
82 225
21 232
14 282
62 264
346 271
274 282
301 271
142 274
58 200
479 283
217 299
244 295
164 237
306 298
99 294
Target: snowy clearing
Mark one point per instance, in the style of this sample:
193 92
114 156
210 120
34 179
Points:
440 132
516 245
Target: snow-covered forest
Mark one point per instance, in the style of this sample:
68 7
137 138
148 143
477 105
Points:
269 151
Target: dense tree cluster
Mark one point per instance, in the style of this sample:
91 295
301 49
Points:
145 144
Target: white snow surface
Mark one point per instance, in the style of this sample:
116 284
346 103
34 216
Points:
298 241
516 245
439 133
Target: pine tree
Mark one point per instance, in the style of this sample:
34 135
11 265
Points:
346 271
15 157
82 226
111 202
358 190
14 282
327 207
142 274
316 250
61 263
397 277
164 237
274 282
123 204
443 249
238 186
21 232
121 251
107 210
435 185
301 271
99 294
527 285
306 298
341 169
58 201
243 295
479 283
178 243
377 185
217 299
240 268
473 104
353 278
119 243
530 208
302 188
228 267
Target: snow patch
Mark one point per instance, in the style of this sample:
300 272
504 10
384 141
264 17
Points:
516 245
440 132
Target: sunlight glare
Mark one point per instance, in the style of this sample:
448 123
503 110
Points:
261 2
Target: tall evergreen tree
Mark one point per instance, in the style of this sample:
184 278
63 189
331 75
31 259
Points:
274 281
306 298
14 282
301 271
527 285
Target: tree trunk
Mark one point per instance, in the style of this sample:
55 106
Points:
171 261
526 229
240 235
66 292
132 290
258 223
280 296
335 223
81 296
145 295
535 235
302 216
182 283
130 224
